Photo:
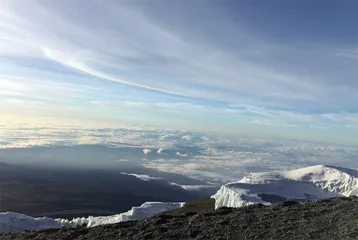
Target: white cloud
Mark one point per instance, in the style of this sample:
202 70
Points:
193 187
243 113
128 43
274 124
146 151
131 67
217 160
63 58
206 139
318 127
182 154
350 53
122 160
186 137
143 177
242 156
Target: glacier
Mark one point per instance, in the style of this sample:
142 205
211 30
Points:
17 222
314 182
146 210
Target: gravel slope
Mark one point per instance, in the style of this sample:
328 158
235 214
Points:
328 219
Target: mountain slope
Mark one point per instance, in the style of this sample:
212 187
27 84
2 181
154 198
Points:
328 219
315 182
310 183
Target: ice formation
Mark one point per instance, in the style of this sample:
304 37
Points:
16 222
146 210
315 182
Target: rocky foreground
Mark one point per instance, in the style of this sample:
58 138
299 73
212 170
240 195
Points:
335 218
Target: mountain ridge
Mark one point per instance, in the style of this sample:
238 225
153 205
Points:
328 219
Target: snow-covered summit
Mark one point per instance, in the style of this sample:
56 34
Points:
314 182
343 181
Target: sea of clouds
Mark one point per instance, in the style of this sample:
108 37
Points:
215 159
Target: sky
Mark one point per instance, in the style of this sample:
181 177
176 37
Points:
278 68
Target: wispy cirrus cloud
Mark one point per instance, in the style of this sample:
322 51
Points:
131 44
170 60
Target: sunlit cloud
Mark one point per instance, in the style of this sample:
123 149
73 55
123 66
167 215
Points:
143 177
193 187
141 63
146 151
219 159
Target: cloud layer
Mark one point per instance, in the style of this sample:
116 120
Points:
214 159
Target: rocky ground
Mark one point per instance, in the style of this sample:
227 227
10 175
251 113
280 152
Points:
329 219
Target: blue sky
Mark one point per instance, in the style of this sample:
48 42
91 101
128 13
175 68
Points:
256 68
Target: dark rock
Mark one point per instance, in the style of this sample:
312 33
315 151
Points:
330 219
289 203
224 210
